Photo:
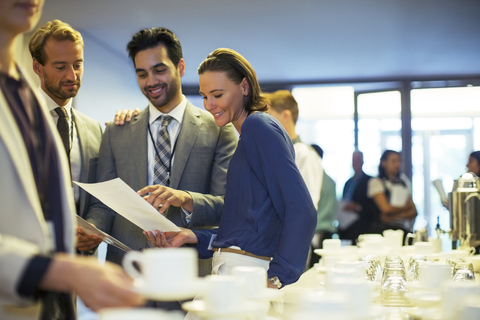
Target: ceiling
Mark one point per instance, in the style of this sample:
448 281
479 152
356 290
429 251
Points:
296 41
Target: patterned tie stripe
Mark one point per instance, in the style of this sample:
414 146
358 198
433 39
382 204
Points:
164 152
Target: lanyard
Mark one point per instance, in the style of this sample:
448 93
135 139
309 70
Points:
169 169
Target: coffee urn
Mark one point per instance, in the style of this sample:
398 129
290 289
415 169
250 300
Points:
465 210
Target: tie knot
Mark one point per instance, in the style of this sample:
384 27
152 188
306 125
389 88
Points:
166 120
62 113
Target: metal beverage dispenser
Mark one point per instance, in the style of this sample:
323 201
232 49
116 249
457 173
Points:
465 210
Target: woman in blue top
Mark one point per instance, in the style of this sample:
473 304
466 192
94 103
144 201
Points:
269 218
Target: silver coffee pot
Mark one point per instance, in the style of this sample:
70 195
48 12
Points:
465 210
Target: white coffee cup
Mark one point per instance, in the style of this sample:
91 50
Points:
368 237
433 275
332 244
329 305
453 294
359 294
329 261
225 293
255 279
167 269
424 248
138 313
358 266
393 238
437 244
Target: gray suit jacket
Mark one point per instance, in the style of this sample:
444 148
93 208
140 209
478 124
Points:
202 154
90 136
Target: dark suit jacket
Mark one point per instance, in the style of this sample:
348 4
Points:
202 154
368 213
90 136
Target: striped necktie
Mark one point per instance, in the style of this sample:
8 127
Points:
163 154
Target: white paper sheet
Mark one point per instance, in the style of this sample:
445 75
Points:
345 217
441 191
122 199
90 229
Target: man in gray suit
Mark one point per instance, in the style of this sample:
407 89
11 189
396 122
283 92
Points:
57 52
171 144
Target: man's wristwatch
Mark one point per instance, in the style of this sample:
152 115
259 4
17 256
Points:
275 281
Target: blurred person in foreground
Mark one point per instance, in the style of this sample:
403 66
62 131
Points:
392 193
269 217
38 271
355 201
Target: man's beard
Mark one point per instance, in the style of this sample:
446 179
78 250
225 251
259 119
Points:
171 90
56 90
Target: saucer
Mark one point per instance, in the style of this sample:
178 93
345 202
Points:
319 268
424 299
160 293
199 308
323 252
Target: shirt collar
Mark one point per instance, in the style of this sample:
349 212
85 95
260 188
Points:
176 113
52 105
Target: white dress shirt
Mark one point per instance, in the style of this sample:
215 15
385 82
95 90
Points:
75 155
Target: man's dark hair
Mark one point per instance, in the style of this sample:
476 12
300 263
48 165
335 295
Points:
150 38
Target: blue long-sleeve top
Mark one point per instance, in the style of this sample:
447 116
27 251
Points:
268 210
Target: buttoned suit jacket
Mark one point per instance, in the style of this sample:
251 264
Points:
23 230
202 154
89 133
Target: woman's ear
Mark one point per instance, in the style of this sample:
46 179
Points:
245 87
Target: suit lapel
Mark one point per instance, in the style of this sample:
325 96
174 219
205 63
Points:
186 139
81 128
139 142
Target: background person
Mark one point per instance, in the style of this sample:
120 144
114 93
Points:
326 212
283 107
392 193
473 164
269 217
355 199
37 268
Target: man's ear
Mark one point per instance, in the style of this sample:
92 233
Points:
181 67
287 114
37 67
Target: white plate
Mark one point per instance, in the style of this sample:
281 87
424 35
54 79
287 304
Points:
160 293
199 308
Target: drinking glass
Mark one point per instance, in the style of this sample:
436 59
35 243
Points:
373 267
463 271
412 273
